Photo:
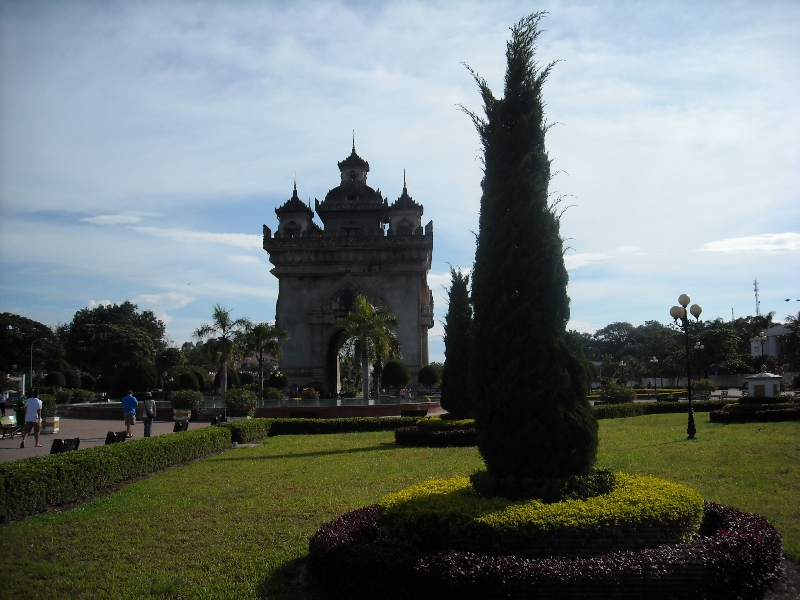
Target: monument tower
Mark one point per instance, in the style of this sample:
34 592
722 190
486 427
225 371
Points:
366 246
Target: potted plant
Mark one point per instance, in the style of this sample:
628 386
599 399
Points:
240 404
50 422
184 402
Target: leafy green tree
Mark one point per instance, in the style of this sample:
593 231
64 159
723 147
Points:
221 335
138 375
456 394
429 375
790 343
368 333
17 334
166 359
395 373
531 409
615 339
263 338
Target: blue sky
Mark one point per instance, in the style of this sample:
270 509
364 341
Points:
144 144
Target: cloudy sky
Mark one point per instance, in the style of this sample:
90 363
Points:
144 144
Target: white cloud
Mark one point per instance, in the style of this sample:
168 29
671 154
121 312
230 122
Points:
244 259
764 243
125 218
239 240
93 304
576 261
166 301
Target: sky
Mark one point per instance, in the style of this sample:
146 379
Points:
144 144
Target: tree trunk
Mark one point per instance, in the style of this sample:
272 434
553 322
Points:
365 371
223 380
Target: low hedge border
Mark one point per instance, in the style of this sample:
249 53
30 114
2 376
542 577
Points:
34 485
736 556
790 413
631 409
435 438
640 512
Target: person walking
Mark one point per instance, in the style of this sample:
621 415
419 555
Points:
129 404
148 413
33 417
3 400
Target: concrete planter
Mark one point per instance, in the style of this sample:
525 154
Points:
50 424
181 414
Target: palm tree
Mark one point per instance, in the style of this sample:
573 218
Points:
367 333
263 338
222 334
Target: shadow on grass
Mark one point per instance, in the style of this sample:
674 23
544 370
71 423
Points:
380 447
291 582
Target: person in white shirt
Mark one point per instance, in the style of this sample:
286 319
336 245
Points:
33 417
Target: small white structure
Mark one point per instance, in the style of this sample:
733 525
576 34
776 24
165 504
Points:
771 341
764 385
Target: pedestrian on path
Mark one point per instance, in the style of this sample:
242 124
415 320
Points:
148 413
129 404
3 400
33 417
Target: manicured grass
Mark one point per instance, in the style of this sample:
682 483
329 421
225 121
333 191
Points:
231 526
753 467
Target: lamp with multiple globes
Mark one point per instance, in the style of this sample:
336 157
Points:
654 362
679 313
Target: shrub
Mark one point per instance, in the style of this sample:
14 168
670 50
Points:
246 378
278 380
614 393
738 556
188 381
88 382
456 389
446 514
435 438
33 485
186 400
72 379
395 374
756 414
240 403
272 393
48 405
548 490
344 425
428 376
233 379
438 424
138 374
249 430
309 393
81 396
64 396
55 379
704 385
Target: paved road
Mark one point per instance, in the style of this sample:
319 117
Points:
92 433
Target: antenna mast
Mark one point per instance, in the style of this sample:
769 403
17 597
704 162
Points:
758 302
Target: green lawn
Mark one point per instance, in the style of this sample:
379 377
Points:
232 525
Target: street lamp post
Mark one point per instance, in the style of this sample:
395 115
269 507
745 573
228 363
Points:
761 338
32 343
622 366
654 362
679 313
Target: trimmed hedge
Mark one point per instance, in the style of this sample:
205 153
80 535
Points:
640 512
619 411
248 430
755 414
33 485
345 425
439 424
736 556
418 435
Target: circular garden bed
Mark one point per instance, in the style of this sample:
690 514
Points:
732 555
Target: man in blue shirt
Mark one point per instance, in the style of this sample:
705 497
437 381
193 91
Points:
129 404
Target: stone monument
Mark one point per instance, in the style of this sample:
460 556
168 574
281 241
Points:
366 246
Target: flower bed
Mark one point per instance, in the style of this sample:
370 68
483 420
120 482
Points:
737 555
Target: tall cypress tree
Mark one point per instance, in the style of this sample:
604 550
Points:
456 397
529 384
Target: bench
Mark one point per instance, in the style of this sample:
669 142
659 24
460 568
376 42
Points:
67 445
745 393
723 394
414 412
182 425
114 437
705 395
9 426
213 414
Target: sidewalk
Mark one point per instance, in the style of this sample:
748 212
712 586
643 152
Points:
91 431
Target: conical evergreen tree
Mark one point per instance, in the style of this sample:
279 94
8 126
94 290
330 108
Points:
456 396
530 388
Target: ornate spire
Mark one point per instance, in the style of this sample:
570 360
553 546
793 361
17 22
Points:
404 182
